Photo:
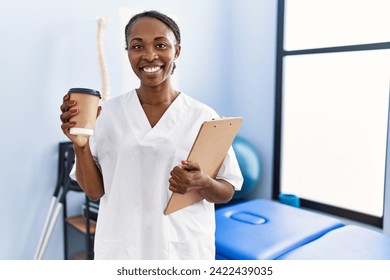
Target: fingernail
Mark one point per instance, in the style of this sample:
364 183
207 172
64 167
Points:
184 162
66 96
73 111
72 122
72 102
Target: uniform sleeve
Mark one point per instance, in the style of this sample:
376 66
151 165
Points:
230 171
92 145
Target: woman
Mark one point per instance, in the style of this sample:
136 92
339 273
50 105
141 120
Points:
135 159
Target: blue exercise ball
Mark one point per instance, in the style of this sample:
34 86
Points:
250 164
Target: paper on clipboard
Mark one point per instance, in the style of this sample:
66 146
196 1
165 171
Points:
209 150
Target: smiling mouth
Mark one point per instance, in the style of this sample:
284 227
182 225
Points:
151 69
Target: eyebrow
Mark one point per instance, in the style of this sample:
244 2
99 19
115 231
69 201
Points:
155 39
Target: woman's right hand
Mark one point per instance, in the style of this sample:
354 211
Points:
67 112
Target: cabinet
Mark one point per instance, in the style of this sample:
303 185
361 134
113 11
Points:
79 230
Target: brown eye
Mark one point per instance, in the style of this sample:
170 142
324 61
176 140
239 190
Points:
136 47
161 46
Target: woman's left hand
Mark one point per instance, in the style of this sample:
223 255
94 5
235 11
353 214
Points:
188 177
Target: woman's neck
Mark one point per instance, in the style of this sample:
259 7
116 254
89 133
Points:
156 95
155 102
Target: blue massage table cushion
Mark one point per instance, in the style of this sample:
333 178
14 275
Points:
346 243
264 229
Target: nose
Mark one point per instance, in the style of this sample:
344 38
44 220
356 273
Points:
149 54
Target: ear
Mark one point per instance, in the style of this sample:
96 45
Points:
177 50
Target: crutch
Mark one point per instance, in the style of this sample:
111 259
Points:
57 201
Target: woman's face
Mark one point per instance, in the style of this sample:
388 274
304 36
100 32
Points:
152 49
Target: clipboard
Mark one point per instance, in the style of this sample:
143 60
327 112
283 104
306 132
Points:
209 150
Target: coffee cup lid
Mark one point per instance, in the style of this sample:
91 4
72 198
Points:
85 90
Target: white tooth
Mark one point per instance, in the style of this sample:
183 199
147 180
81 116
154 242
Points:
151 69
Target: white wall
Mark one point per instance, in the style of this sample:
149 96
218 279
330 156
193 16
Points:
252 87
386 210
48 46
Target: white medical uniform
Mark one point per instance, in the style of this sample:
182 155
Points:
136 160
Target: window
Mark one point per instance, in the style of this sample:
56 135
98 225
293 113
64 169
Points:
332 101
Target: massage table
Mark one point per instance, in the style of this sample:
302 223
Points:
263 229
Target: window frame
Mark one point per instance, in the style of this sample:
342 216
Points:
277 160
